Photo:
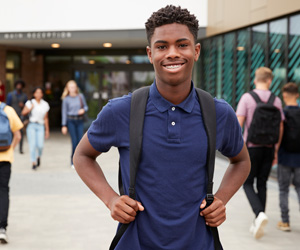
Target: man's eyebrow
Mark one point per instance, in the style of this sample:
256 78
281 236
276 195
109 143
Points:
160 41
177 41
181 40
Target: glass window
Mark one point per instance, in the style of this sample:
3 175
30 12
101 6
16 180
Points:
258 49
219 44
242 69
205 62
13 60
227 68
10 79
140 59
13 69
294 50
141 78
277 43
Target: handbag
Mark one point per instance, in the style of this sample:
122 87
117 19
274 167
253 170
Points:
85 116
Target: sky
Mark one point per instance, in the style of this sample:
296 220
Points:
71 15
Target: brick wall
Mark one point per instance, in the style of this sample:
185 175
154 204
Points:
32 71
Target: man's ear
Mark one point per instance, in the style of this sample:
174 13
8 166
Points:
197 51
148 49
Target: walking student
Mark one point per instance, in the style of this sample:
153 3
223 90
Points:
73 108
171 180
288 170
38 127
6 159
17 100
263 153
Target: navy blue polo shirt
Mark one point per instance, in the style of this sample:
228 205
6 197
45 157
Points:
171 179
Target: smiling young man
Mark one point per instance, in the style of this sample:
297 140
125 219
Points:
171 179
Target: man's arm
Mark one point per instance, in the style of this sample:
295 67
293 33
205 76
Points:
123 208
16 138
233 179
241 120
9 99
277 145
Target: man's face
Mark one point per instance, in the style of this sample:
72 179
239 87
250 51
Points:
173 53
19 87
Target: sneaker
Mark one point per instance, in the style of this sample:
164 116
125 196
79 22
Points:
284 226
34 167
3 236
251 230
38 162
259 224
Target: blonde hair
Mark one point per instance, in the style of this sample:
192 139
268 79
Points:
66 89
263 74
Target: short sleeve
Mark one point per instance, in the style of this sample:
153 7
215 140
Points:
47 106
28 104
14 120
242 107
102 132
229 138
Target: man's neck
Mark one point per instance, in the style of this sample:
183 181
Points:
291 103
175 94
262 86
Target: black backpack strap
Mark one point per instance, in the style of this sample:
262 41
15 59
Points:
271 98
208 110
255 96
137 113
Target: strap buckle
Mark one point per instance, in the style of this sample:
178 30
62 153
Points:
209 199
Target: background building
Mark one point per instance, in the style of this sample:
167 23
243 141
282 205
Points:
101 45
243 35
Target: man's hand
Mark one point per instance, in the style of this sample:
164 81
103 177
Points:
215 214
124 209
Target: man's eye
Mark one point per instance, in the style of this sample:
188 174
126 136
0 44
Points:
161 47
183 45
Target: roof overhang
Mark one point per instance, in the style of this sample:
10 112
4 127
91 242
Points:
79 39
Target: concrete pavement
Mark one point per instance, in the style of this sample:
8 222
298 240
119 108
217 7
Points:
51 208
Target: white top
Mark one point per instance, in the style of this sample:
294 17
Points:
39 110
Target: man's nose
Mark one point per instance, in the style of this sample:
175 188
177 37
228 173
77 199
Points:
173 52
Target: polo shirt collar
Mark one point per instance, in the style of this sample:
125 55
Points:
163 105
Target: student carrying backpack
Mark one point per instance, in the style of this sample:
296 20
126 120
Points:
288 170
5 130
168 207
261 115
10 125
265 125
291 133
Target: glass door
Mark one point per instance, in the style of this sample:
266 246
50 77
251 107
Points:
89 84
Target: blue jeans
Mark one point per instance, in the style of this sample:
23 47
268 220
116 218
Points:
75 128
35 136
285 176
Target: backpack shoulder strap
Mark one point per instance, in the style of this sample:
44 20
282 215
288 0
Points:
137 113
255 96
207 105
271 98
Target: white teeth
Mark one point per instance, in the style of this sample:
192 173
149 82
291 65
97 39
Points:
173 66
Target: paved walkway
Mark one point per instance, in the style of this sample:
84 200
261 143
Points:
51 208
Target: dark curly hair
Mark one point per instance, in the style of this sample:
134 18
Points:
19 81
168 15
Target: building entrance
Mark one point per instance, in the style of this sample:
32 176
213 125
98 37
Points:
99 82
